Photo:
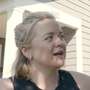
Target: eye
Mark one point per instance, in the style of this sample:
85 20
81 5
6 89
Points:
49 38
61 36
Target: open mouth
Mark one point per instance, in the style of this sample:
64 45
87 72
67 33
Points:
58 53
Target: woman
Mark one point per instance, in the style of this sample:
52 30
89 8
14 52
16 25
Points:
41 52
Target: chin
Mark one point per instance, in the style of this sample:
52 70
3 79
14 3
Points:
60 63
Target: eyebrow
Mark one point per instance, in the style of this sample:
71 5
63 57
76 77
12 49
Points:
52 33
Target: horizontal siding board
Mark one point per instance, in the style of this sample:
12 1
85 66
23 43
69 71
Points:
85 29
80 4
86 61
86 35
85 23
85 42
85 26
71 59
70 62
86 20
70 68
71 48
86 67
86 48
74 7
71 55
86 54
87 2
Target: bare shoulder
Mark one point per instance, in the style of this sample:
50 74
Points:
82 80
6 84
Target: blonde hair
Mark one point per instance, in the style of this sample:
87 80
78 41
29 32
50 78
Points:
24 36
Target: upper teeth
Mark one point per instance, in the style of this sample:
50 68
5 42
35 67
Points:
58 53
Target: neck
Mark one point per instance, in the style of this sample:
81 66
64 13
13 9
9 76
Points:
45 79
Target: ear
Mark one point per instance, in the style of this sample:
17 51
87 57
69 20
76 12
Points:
26 52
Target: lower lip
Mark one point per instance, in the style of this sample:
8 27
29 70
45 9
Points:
59 56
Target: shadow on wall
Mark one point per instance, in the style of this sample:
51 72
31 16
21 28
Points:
2 42
69 34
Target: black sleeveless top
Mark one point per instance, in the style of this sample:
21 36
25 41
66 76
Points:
66 82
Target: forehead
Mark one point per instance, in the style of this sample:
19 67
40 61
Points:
47 25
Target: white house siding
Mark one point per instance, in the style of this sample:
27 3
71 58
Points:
86 50
79 9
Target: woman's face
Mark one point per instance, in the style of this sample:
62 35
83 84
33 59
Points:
46 50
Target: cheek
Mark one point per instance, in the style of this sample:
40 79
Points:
43 52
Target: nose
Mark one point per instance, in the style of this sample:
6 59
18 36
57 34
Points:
58 42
